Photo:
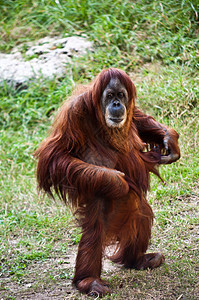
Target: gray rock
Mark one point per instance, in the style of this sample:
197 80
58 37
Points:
47 58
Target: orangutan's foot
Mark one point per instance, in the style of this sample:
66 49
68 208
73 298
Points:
149 260
92 286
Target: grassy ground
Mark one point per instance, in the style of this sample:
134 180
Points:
156 43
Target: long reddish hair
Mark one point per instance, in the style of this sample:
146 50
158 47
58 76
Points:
104 173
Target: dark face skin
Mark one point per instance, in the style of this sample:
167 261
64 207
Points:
114 104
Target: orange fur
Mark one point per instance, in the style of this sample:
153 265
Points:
83 160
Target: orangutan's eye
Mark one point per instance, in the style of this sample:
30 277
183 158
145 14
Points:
110 95
120 94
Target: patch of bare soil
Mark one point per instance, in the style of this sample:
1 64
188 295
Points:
50 279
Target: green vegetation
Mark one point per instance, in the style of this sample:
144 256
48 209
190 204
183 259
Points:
156 43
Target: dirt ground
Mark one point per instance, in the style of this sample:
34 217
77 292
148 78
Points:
52 279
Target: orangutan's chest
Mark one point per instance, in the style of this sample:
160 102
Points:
100 158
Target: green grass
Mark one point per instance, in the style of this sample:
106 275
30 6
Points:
156 43
164 30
